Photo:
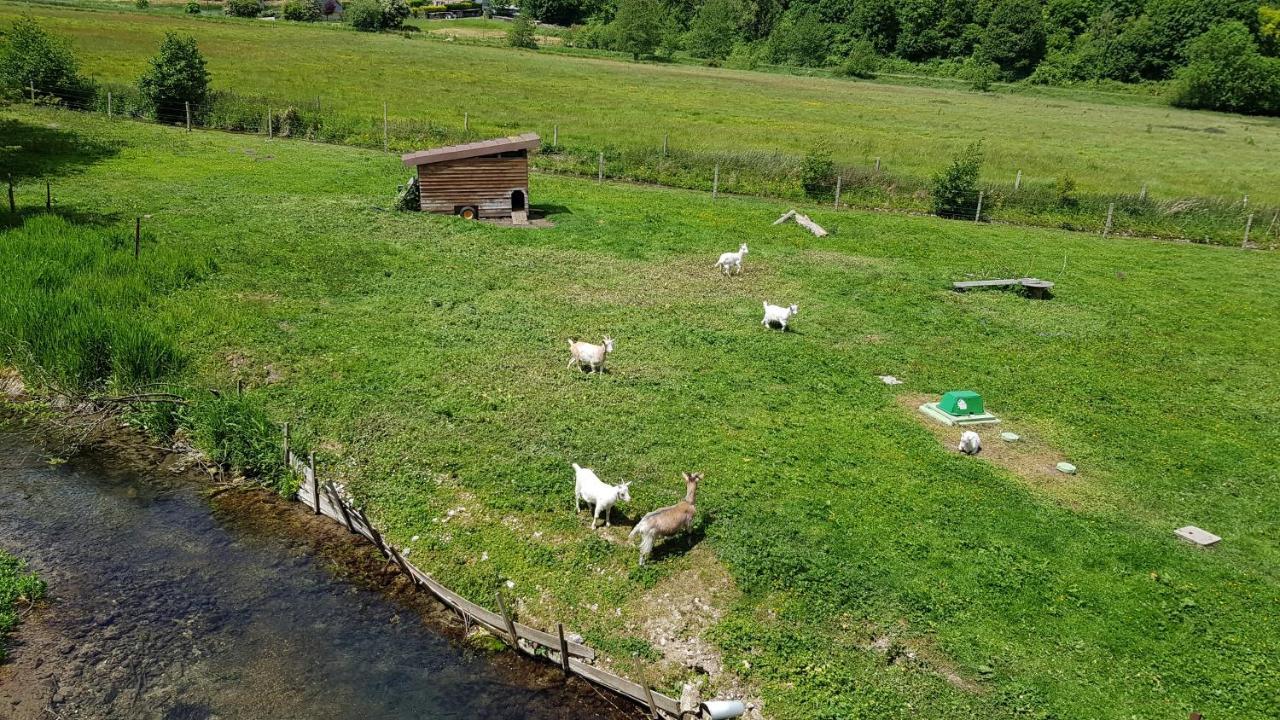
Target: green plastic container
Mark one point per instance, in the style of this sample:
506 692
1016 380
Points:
952 404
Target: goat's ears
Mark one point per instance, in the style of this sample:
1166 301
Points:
692 476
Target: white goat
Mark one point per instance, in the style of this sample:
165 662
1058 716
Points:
970 443
587 486
778 315
731 262
581 353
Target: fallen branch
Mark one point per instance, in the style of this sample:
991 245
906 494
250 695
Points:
148 398
803 221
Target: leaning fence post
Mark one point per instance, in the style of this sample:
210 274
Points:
978 215
346 516
1017 182
13 207
839 182
1111 209
137 237
1248 225
287 463
315 484
384 127
653 707
600 169
511 625
564 650
715 182
187 105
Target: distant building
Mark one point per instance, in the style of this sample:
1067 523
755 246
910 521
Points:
487 179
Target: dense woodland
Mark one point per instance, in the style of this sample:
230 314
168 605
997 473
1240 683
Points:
1219 53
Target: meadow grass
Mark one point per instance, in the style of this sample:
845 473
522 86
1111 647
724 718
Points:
1108 143
869 570
18 589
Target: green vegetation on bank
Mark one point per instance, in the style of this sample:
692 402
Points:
18 590
763 147
869 571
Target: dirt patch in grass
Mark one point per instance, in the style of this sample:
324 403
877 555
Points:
898 648
1031 459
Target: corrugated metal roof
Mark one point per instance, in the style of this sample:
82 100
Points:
527 141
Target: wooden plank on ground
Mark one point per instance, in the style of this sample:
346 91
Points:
632 690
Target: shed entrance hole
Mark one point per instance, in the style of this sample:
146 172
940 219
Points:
517 199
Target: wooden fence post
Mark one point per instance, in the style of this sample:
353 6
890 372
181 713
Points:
600 169
666 146
977 216
1248 225
839 182
1245 204
1017 182
715 183
346 516
1106 230
653 707
564 650
13 207
187 105
555 136
466 122
108 104
511 625
33 91
287 464
315 481
1273 223
270 130
137 237
48 196
1142 194
877 164
385 143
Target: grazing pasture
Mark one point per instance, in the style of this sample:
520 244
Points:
846 560
1106 143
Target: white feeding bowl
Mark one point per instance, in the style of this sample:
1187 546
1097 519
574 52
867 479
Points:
718 709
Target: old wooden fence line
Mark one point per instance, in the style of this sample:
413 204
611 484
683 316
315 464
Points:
574 658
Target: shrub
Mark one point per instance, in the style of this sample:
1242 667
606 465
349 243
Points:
142 4
242 8
30 56
861 62
300 11
176 75
1226 72
979 74
1066 192
375 15
408 198
520 34
801 39
234 431
745 56
817 172
640 27
714 28
955 189
192 7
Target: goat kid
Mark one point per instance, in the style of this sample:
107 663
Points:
587 486
668 521
592 356
970 443
731 262
778 315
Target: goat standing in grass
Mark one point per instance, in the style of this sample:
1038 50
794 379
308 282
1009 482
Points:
668 521
731 262
587 486
592 356
778 315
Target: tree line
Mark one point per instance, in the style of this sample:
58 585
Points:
1195 45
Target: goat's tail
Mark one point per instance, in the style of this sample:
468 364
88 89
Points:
639 528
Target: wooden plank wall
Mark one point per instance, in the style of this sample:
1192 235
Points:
325 499
485 182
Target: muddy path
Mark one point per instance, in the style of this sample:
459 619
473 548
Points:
171 600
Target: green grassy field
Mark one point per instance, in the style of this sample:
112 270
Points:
853 564
19 588
1107 143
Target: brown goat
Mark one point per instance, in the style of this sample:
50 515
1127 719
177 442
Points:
668 521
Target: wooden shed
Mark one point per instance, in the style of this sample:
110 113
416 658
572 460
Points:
487 179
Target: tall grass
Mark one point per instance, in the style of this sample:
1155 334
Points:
18 588
73 305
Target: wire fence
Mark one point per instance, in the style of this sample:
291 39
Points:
1019 201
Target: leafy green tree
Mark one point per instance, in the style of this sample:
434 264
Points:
918 35
31 56
520 34
242 8
818 172
715 27
300 10
861 61
1269 29
1174 23
192 7
559 12
1014 37
801 39
375 15
980 75
955 189
640 26
176 75
1226 72
876 21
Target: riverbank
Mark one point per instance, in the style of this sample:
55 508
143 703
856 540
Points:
174 592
